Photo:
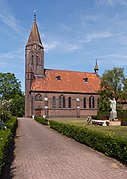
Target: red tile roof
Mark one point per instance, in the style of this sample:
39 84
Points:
71 81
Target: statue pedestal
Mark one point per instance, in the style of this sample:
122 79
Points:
115 123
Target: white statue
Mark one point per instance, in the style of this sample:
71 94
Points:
113 113
112 104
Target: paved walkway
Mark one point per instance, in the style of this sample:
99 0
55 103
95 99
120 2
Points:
42 153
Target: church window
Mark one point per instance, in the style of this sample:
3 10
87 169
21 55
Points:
58 78
85 79
38 97
54 102
38 59
98 101
28 76
32 59
91 102
62 101
84 102
69 102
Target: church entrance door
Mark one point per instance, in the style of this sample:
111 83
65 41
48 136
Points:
38 112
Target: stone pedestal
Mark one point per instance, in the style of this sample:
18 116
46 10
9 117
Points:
115 123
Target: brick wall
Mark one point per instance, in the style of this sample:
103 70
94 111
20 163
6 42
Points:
44 107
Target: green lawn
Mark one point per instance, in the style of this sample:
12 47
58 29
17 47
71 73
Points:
118 130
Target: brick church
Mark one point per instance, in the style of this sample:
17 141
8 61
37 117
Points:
56 93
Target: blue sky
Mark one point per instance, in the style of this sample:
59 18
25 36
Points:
74 33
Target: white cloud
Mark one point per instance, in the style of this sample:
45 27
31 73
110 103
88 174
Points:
7 17
107 2
95 35
9 58
98 35
69 47
110 60
66 27
3 64
116 56
60 46
112 2
48 46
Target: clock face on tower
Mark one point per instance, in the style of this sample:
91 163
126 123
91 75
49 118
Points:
34 47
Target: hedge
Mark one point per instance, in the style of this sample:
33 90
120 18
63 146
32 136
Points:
42 120
12 124
123 117
6 139
111 145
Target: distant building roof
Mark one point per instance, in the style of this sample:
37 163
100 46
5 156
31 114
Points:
67 81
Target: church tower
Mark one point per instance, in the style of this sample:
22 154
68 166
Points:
34 64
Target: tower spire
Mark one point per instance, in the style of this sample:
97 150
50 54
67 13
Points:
34 36
96 67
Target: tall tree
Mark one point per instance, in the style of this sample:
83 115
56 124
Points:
113 83
9 85
11 96
17 105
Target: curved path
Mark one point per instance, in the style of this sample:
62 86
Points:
42 153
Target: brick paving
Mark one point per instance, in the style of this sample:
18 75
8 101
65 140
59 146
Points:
42 153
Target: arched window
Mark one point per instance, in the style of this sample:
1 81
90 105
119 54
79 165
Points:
91 102
98 101
27 75
38 59
32 59
84 102
62 101
69 102
54 102
38 97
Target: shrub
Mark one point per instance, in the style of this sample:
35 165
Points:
6 139
42 120
102 114
122 115
107 143
12 124
94 117
4 115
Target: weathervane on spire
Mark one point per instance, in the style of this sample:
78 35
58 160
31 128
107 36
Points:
96 67
35 15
